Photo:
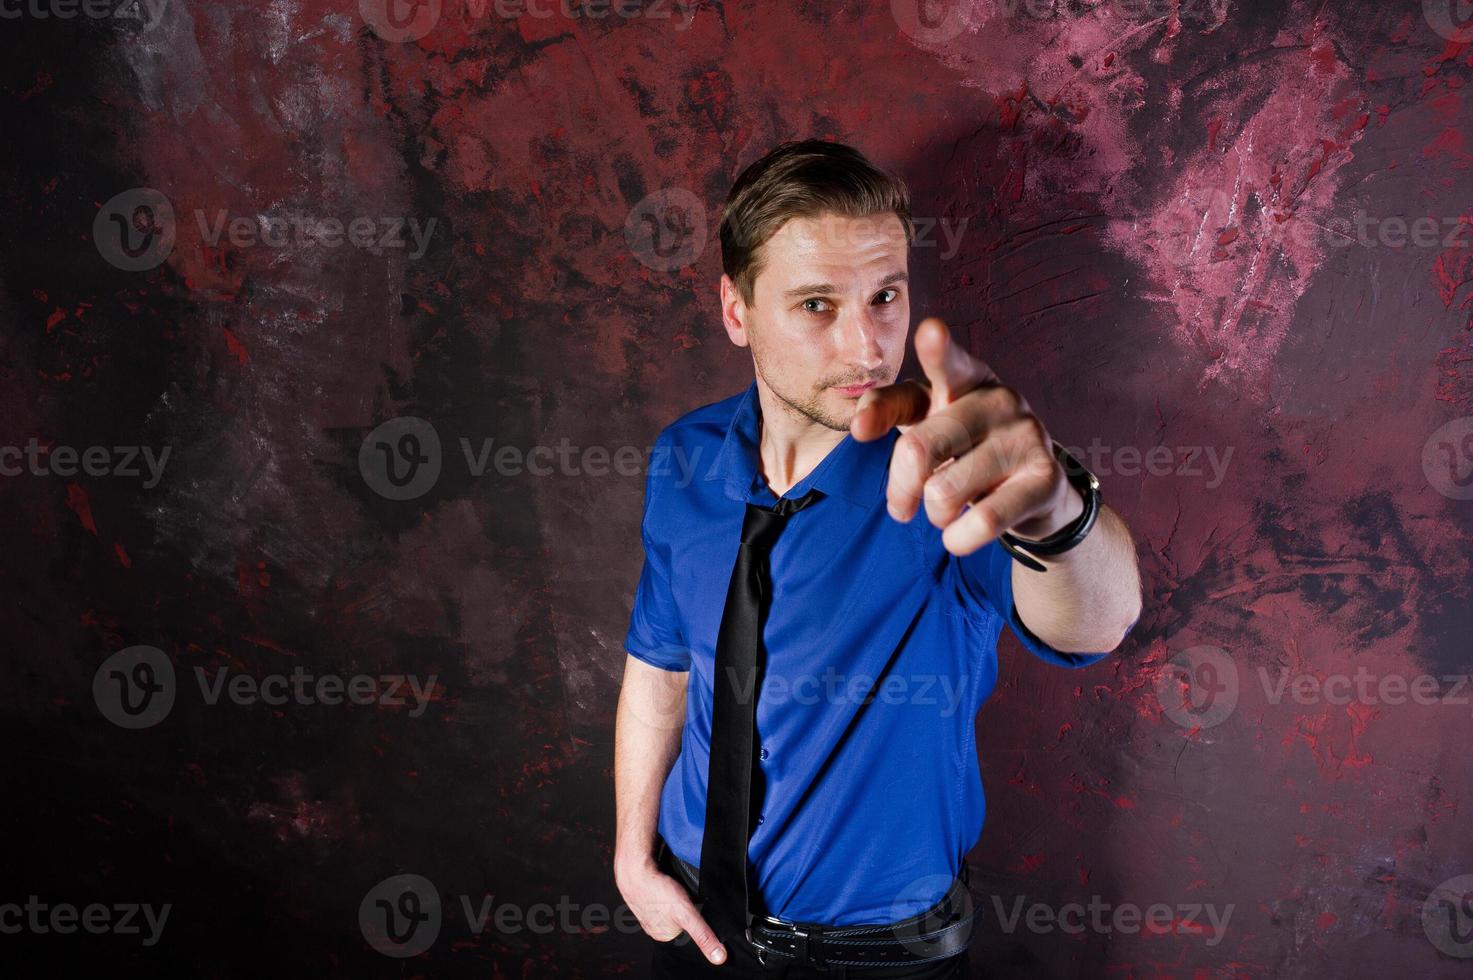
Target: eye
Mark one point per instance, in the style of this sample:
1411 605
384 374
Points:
810 309
893 293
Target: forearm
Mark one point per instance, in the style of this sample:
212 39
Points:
647 731
1090 594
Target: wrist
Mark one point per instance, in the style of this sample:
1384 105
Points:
630 861
1062 515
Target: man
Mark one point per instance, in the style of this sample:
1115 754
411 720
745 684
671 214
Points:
806 658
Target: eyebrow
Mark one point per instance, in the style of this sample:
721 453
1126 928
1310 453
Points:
828 288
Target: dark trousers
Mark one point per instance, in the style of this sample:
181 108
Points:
681 958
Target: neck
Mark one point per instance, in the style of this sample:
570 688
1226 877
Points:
790 444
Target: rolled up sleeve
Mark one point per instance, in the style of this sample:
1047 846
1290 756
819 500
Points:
655 635
986 577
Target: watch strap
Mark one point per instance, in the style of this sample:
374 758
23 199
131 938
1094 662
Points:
1069 535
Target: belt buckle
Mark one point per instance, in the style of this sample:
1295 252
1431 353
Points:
800 937
756 944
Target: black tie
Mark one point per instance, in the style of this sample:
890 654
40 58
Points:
723 872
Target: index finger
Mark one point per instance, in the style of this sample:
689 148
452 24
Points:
949 366
881 409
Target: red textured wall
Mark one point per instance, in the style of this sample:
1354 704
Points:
1223 246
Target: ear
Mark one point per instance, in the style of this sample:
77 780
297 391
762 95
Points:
734 313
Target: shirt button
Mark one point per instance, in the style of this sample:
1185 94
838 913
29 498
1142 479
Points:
761 817
764 752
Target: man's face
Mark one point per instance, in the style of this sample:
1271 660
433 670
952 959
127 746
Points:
830 308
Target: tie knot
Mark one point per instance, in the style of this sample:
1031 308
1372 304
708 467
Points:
763 525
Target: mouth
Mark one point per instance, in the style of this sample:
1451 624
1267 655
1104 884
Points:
854 391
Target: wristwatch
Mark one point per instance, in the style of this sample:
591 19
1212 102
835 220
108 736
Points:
1070 534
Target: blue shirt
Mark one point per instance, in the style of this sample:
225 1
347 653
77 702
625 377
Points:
868 809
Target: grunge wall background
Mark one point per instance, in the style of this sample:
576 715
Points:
335 336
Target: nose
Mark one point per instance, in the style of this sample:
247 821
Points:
860 340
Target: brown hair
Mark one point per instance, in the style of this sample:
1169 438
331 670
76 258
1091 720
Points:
801 180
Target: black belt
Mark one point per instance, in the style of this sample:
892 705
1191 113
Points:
940 931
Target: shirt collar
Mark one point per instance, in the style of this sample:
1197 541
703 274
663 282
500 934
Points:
852 470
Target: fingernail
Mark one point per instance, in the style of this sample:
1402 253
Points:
718 955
